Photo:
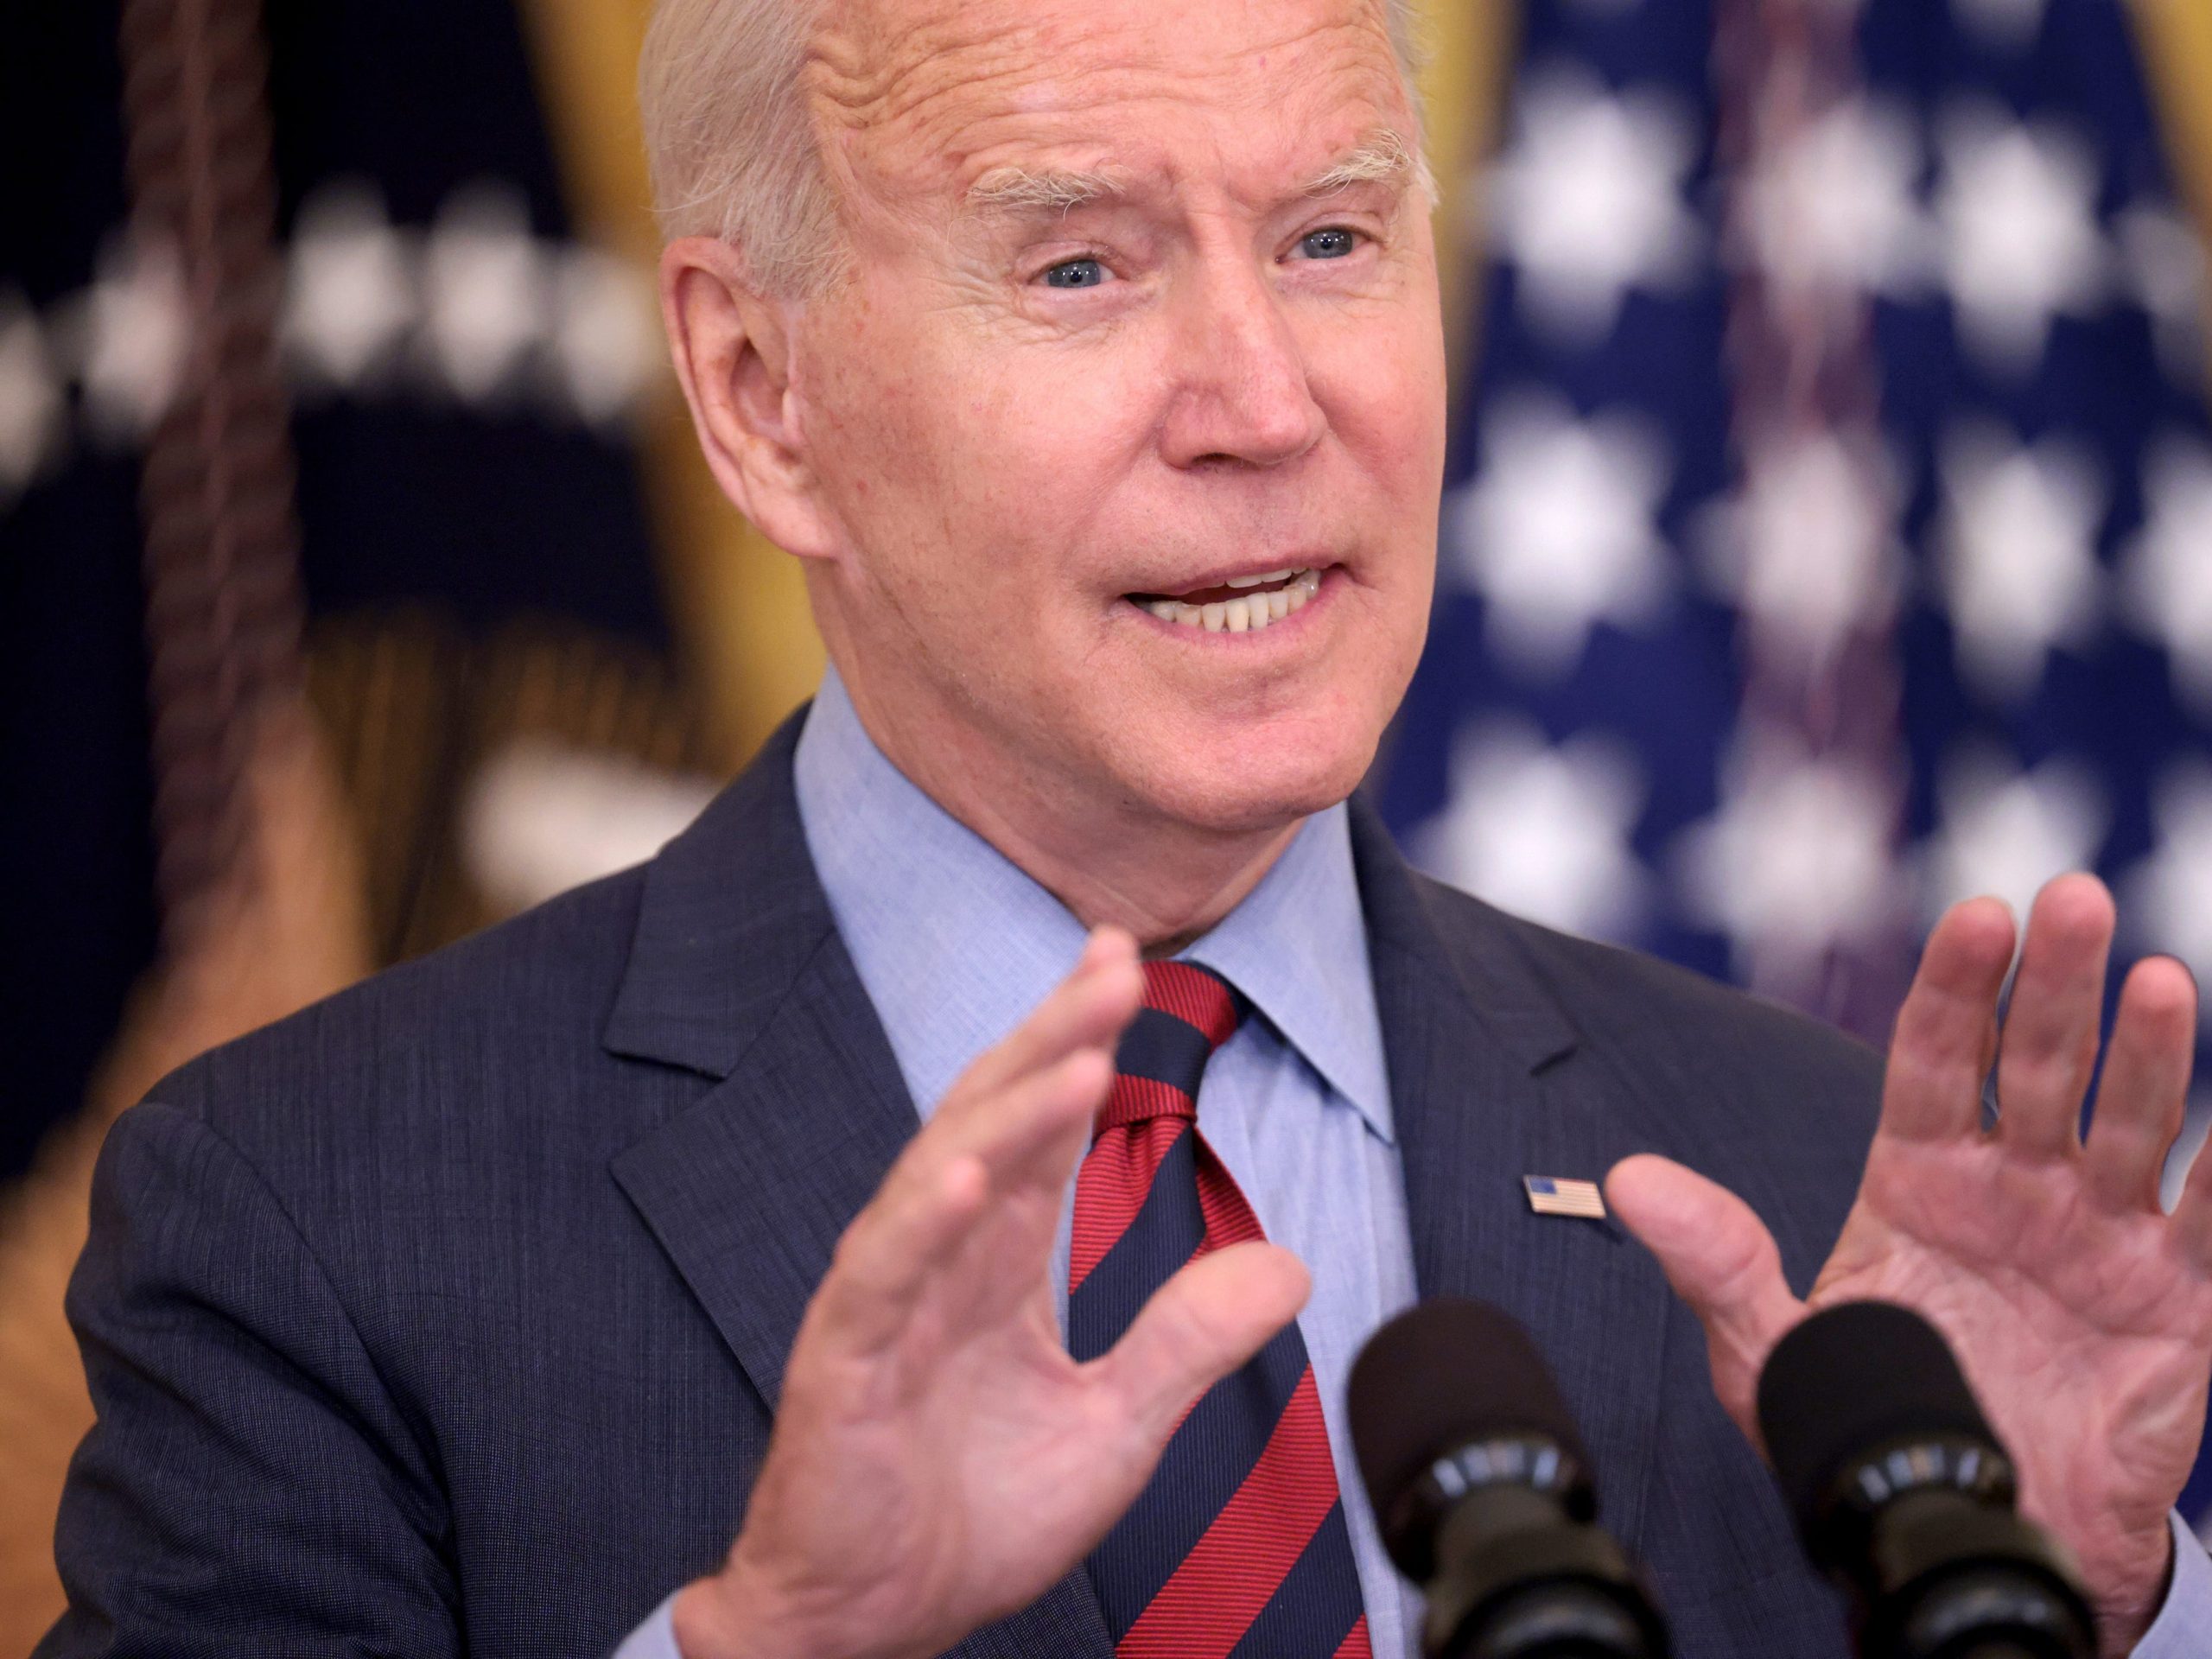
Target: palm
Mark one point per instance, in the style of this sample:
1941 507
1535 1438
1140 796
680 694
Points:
975 1413
2087 1339
2081 1311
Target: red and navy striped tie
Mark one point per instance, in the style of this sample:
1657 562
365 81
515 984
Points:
1238 1547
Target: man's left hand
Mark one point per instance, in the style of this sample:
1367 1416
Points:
2081 1311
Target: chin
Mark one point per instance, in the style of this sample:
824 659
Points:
1250 787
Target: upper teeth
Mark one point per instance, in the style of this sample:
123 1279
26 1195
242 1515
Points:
1247 613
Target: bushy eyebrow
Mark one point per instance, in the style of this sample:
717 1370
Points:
1020 189
1380 157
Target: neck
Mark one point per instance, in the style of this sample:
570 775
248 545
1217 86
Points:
1112 864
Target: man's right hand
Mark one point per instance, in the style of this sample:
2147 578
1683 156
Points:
939 1460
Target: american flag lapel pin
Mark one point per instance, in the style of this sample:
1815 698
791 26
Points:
1549 1196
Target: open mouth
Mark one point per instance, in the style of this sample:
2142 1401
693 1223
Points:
1242 605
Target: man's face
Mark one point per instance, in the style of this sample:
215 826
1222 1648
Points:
1142 313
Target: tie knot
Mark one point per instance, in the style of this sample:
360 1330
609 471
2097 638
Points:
1198 996
1187 1014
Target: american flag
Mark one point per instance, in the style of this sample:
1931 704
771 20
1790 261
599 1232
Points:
1829 525
1549 1196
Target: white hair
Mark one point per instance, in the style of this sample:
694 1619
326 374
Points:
731 147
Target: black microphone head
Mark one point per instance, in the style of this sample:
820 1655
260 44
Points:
1848 1378
1441 1375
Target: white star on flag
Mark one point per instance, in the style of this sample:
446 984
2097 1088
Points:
1839 209
2165 262
2018 555
1588 201
2168 896
1544 832
1558 532
2020 242
2004 831
485 286
1797 860
30 400
2165 576
1807 550
130 328
350 298
606 337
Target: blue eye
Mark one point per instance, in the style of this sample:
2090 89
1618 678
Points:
1076 273
1335 243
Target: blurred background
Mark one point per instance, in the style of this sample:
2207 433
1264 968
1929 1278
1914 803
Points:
1828 530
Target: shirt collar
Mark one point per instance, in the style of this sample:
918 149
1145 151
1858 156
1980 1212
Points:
955 944
1297 948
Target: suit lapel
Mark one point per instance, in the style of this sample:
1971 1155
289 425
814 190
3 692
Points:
1489 1082
748 1190
736 971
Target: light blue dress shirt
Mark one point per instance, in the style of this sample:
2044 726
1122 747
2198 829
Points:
954 946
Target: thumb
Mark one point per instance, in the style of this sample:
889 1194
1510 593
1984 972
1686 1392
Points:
1213 1315
1720 1259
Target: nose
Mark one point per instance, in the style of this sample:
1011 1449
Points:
1243 396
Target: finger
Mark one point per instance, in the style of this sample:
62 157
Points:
1087 1008
1719 1258
2145 1090
1030 1133
944 1188
910 1232
1947 1031
2192 1219
2048 1048
1213 1316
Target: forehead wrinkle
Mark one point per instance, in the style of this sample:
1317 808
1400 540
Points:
933 89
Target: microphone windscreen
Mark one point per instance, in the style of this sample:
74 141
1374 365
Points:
1439 1377
1848 1378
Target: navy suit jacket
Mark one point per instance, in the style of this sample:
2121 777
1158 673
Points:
450 1314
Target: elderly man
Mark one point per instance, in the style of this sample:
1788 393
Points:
1087 351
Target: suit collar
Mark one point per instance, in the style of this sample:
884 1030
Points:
730 914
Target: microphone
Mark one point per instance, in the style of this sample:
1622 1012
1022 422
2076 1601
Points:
1905 1497
1482 1488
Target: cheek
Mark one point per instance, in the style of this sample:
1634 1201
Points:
978 452
1384 393
1046 434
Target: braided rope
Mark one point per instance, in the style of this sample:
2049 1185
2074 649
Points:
223 600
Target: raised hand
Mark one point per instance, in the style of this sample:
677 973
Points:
2081 1312
939 1460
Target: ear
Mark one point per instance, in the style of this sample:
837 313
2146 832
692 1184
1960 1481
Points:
731 347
